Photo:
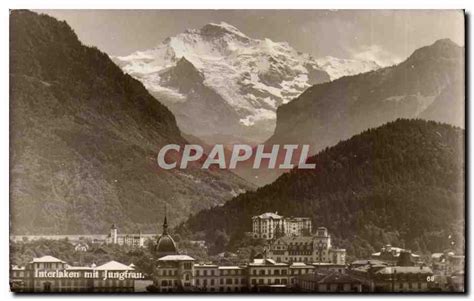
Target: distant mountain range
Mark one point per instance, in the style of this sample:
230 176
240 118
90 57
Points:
429 84
224 86
401 183
84 138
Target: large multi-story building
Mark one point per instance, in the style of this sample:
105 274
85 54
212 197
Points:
316 248
50 274
267 274
267 225
131 240
271 225
173 272
207 277
232 279
295 226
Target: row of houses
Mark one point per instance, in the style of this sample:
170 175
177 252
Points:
301 263
178 273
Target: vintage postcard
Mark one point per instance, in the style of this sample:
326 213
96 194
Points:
237 151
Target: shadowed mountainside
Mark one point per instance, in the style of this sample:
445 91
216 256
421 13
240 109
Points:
84 139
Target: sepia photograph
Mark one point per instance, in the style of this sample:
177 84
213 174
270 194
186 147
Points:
237 151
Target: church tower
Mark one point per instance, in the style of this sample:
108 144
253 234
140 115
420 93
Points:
165 244
113 234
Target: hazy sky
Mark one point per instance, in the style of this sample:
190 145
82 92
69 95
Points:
383 35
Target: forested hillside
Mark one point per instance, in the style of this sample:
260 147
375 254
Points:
401 183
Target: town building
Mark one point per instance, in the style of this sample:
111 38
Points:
366 263
447 263
296 269
267 225
448 269
456 281
174 272
165 244
377 276
207 277
407 279
332 282
50 274
131 240
289 249
266 272
456 263
327 268
391 255
316 248
271 225
232 279
267 275
81 247
295 226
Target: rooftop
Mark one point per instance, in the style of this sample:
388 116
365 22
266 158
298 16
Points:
327 264
339 278
79 268
46 259
176 258
405 270
230 268
265 262
300 265
269 215
330 278
114 266
368 261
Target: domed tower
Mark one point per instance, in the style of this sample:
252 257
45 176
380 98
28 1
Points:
165 244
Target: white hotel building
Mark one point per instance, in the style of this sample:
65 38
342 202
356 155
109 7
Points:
268 225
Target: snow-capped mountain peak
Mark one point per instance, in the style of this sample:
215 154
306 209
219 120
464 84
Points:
338 67
223 28
251 76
